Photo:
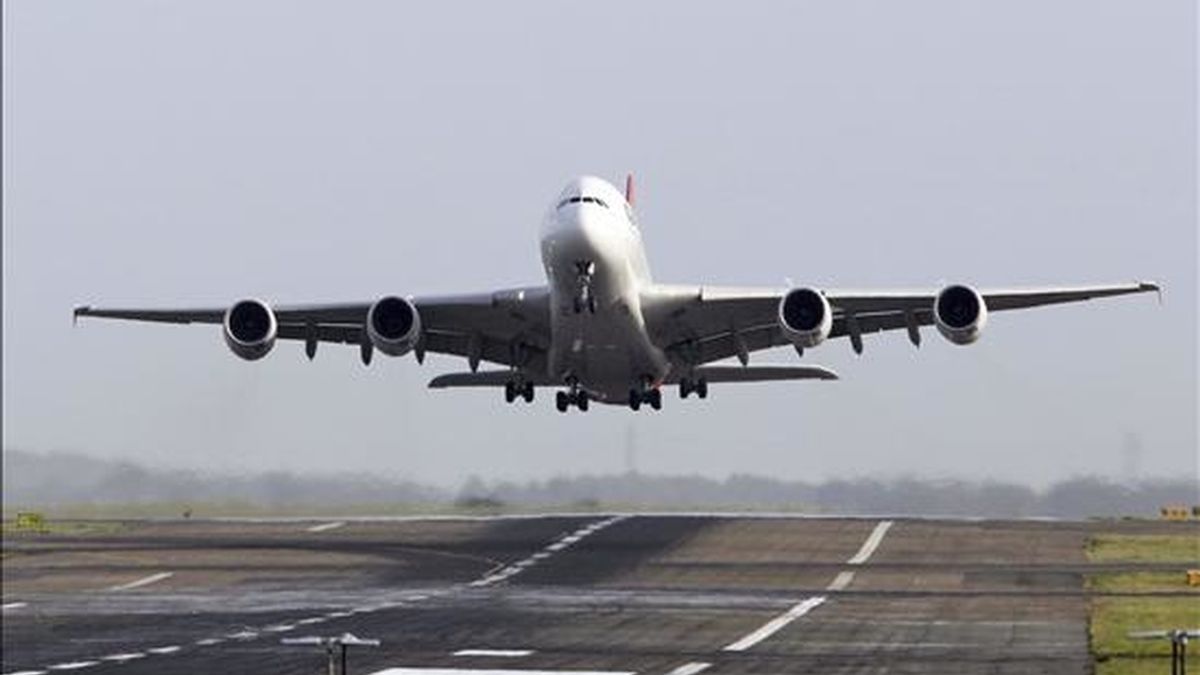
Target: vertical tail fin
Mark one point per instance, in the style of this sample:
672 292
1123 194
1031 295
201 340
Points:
629 188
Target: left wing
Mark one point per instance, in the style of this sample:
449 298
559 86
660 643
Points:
698 324
510 327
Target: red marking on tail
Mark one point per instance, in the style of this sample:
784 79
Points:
629 188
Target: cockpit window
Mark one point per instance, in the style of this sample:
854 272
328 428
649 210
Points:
583 200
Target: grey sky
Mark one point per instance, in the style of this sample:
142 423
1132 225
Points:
196 152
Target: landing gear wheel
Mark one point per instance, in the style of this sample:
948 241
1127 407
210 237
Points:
635 399
581 401
561 401
702 388
527 392
685 388
510 392
654 398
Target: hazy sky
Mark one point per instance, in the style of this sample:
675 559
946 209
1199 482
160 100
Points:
191 153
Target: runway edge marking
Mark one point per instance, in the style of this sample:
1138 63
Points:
840 582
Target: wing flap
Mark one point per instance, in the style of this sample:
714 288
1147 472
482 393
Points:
762 373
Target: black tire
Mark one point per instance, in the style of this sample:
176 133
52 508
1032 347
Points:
685 388
655 398
702 388
510 392
561 402
582 401
635 399
527 392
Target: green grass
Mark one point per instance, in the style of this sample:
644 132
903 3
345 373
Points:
1113 618
1144 548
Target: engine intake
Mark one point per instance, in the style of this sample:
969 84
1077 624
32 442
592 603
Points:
805 317
393 325
960 314
250 329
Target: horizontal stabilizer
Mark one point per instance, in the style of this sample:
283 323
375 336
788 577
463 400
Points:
486 378
762 373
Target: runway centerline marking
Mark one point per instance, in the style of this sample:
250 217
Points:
691 668
325 527
557 545
504 653
74 665
27 672
840 582
14 605
144 581
490 671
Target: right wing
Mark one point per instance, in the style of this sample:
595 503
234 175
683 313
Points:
699 324
510 327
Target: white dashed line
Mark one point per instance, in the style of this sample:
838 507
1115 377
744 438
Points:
311 620
208 642
503 653
280 628
169 649
144 581
338 615
691 668
840 582
242 635
325 527
122 658
558 545
74 665
28 672
14 605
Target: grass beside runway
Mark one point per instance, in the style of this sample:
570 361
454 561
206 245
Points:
1113 618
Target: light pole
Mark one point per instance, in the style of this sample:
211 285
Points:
333 646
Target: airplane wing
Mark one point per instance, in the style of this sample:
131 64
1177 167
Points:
712 374
510 327
699 324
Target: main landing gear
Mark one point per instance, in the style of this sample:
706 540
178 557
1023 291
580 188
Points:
584 300
651 397
574 396
698 387
514 390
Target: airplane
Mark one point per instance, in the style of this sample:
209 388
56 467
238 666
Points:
601 329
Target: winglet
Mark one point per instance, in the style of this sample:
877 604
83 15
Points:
80 310
629 188
1146 286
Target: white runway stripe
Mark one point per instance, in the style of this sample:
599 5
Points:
121 658
74 665
169 649
144 581
840 582
491 671
504 653
27 672
871 543
14 605
325 527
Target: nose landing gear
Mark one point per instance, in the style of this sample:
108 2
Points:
649 395
584 300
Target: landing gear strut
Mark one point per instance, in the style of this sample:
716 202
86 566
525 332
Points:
699 387
515 390
574 396
584 270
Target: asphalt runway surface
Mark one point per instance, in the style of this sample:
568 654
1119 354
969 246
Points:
670 594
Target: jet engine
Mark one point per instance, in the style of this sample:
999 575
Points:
805 317
394 325
250 329
960 314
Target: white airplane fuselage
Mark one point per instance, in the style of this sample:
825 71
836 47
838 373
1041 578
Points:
596 269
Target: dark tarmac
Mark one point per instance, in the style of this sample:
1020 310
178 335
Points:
679 594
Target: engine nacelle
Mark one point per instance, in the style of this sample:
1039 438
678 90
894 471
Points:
394 325
960 314
805 317
250 329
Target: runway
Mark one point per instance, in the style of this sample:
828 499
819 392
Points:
670 594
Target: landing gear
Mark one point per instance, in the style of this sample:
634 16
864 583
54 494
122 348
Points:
575 396
584 300
515 390
651 397
688 387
